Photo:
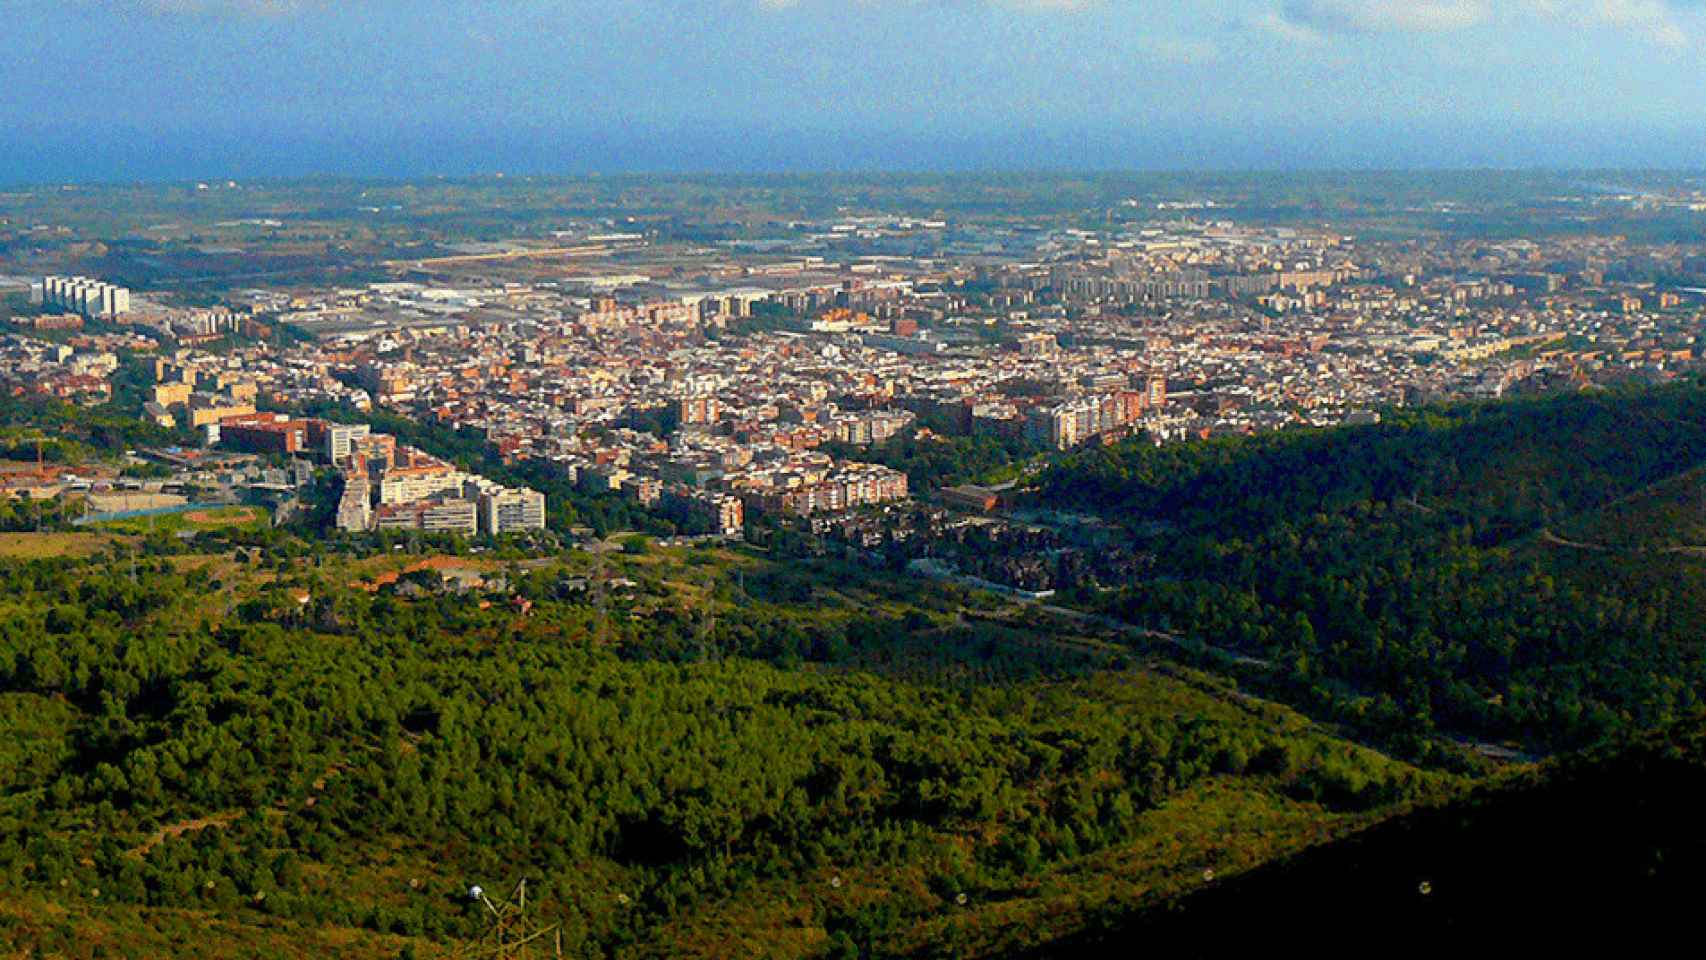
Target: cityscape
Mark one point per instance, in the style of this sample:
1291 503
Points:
794 480
712 383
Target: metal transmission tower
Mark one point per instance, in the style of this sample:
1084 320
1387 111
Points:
601 630
708 620
510 933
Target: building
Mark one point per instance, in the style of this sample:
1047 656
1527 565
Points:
355 509
437 515
872 427
208 409
971 497
854 485
172 394
85 296
697 410
1066 425
417 478
511 511
337 441
264 433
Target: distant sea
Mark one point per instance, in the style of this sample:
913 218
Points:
90 154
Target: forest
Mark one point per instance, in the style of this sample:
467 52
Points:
1413 577
262 739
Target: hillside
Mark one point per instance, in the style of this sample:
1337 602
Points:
243 741
1407 578
1611 839
310 747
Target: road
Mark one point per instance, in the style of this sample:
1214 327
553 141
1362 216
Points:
1131 630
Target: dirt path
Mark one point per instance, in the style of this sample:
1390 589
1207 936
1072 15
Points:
1689 550
1557 541
217 821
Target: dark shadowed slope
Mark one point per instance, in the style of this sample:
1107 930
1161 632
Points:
1613 840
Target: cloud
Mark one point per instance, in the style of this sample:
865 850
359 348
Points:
1380 16
1283 29
1659 22
1664 23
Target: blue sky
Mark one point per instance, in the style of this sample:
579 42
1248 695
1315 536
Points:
178 88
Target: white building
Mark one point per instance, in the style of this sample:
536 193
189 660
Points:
341 438
85 296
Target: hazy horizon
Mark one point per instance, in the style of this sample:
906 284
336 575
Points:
148 90
165 158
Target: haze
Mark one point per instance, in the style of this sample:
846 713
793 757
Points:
159 89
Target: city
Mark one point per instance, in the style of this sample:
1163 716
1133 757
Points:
878 480
713 384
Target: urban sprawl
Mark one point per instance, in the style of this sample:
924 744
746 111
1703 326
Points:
717 383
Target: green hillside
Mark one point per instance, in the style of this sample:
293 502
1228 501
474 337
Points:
1402 578
277 757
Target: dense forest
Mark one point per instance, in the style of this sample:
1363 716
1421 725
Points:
201 731
1413 574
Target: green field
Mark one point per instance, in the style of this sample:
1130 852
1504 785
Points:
193 521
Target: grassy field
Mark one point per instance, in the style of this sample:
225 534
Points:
38 546
191 521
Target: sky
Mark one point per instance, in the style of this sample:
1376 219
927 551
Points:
175 89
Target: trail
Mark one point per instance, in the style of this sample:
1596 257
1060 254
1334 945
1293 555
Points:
1548 536
224 819
217 821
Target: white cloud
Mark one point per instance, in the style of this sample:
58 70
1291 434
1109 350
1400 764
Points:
1659 22
1382 16
1672 24
1286 30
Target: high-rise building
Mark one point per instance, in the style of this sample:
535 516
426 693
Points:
82 295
